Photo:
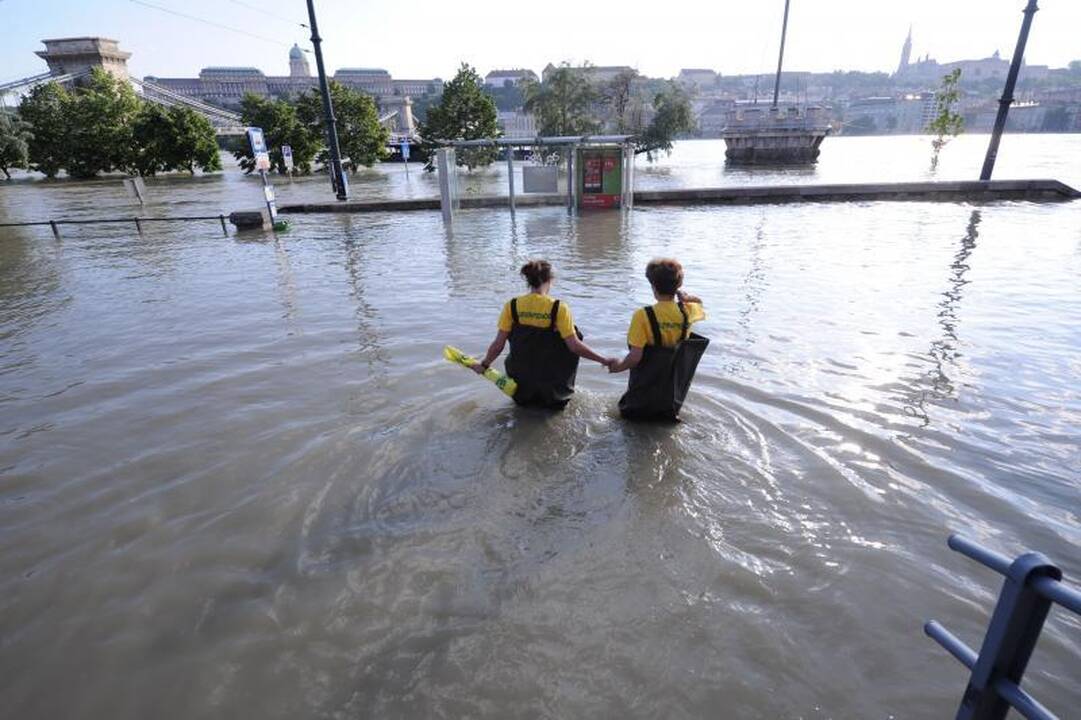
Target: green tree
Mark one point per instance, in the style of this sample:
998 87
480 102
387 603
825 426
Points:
281 126
151 134
672 116
620 95
361 137
464 112
101 117
563 103
947 123
45 108
15 140
192 142
175 138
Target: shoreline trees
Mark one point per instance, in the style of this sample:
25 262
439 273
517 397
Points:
103 126
465 111
300 124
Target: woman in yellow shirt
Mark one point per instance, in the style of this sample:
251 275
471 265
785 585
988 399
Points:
544 343
663 352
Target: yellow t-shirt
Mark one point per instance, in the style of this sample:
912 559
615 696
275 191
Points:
536 310
670 320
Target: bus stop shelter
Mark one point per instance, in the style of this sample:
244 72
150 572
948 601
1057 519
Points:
600 169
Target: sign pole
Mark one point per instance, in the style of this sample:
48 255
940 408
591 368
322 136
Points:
337 175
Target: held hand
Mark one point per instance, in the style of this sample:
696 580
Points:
613 366
477 368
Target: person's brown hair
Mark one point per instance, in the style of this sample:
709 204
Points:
537 272
665 275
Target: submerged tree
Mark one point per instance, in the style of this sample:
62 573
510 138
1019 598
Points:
464 112
45 108
281 126
947 124
361 137
14 142
101 116
672 116
563 102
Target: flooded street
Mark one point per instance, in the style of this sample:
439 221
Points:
237 478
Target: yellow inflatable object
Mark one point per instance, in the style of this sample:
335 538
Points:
501 381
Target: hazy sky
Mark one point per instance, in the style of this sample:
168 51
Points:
427 38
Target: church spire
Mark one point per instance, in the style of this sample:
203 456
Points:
906 52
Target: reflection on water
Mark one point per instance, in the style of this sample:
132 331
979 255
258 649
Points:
237 473
943 351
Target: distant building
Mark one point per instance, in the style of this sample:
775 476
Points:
226 86
500 78
517 124
298 64
908 114
596 74
928 70
78 55
696 78
714 116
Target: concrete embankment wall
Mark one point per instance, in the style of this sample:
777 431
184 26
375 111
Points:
947 191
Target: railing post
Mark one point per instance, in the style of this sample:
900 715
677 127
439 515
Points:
1011 637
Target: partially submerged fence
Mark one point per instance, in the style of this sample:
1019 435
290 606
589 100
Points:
138 222
1033 584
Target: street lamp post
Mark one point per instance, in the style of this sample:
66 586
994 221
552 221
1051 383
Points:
337 175
1007 93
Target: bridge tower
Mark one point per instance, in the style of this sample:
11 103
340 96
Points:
404 124
78 55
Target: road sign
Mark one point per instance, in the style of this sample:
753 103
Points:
258 148
287 157
405 152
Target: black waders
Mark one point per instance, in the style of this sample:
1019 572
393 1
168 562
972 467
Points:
540 363
659 382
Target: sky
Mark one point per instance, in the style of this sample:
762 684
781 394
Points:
430 38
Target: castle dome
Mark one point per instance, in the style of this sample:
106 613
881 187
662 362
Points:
296 53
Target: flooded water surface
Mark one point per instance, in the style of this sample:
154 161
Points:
237 478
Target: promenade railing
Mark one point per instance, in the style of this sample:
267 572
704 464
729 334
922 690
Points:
1032 585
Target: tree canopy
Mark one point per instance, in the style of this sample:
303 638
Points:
14 142
563 102
672 116
464 112
45 108
361 137
103 126
281 126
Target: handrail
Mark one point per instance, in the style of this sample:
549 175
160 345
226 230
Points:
54 224
1033 584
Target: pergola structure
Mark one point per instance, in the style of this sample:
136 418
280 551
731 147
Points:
572 143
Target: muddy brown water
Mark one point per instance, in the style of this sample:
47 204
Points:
237 479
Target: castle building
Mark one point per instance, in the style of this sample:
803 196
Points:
227 86
298 64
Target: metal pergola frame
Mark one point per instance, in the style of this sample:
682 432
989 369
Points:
569 141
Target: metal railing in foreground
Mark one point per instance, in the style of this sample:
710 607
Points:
1033 583
138 221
